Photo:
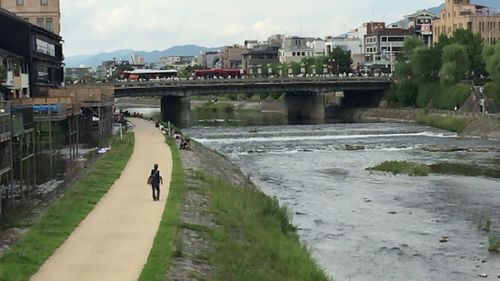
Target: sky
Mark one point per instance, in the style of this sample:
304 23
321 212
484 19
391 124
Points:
93 26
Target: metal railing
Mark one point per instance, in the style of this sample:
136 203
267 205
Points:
246 81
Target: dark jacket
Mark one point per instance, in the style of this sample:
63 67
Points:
155 177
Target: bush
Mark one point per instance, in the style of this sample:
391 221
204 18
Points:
404 93
493 91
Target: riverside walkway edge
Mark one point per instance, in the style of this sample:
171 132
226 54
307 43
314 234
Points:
113 242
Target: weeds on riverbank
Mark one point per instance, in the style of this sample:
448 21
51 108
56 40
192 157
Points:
54 226
255 240
402 167
450 123
164 247
494 246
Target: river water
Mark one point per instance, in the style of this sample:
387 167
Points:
372 226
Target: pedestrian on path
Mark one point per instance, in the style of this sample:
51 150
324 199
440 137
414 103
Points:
155 179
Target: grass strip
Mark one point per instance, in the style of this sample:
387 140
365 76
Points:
164 246
450 123
58 221
255 240
402 167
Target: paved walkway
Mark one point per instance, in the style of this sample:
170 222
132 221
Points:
114 241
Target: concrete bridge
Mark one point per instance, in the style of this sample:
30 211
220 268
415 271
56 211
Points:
306 98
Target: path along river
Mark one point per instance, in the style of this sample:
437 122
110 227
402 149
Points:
372 226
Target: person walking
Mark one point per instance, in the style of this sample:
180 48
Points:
155 180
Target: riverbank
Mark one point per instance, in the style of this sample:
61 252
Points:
465 124
43 234
230 230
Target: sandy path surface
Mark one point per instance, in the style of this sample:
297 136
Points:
115 239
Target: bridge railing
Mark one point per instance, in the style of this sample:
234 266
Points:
280 80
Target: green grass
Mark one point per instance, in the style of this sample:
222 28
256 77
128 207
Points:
165 244
402 167
494 243
254 240
58 221
464 170
450 123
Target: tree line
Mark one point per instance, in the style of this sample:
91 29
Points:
443 76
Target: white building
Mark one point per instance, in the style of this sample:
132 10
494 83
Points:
353 42
318 46
294 49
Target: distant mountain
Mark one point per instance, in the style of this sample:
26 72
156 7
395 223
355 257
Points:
153 56
490 3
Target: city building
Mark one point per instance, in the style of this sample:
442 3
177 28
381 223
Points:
422 22
177 62
232 56
383 44
294 49
43 13
466 15
37 51
15 80
135 59
318 46
353 41
260 56
210 59
78 73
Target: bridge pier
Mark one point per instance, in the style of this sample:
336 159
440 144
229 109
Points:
177 110
305 106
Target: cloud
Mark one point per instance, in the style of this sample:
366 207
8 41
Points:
90 26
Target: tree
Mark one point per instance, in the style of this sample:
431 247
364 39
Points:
410 45
455 64
425 63
339 60
492 57
188 71
473 44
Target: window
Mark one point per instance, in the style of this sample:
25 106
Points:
48 24
44 2
44 47
19 2
40 22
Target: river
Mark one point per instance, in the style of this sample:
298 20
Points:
364 226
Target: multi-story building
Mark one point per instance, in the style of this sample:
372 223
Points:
232 56
422 22
465 15
177 62
210 59
43 13
383 44
294 49
39 50
16 80
318 46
